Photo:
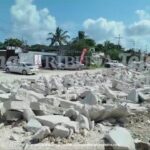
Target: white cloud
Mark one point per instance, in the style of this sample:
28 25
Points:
140 28
31 23
142 14
103 29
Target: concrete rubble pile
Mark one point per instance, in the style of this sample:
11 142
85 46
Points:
65 107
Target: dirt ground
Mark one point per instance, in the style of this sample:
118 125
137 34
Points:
9 77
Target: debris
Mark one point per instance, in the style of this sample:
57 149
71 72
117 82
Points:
83 122
33 126
120 137
89 98
13 115
40 134
13 138
28 114
61 131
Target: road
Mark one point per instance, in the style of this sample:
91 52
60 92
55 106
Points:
9 77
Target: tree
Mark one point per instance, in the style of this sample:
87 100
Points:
99 48
13 42
59 37
81 42
112 50
2 45
38 47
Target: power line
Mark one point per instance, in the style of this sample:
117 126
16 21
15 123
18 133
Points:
119 39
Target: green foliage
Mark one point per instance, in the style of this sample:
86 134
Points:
2 46
59 37
13 42
38 47
79 43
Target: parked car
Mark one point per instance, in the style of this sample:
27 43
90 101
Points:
22 68
114 64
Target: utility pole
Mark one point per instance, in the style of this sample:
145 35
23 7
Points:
133 43
119 39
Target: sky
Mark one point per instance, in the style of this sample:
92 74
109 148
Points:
102 20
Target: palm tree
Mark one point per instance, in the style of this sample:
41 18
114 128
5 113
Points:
59 37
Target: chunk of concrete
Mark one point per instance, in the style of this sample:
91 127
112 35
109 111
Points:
83 122
121 137
40 134
68 81
52 120
133 95
41 108
28 114
15 105
33 126
120 85
89 98
50 100
114 111
56 84
4 87
69 104
142 145
139 95
135 107
93 112
4 97
13 115
13 138
110 93
71 113
61 131
26 95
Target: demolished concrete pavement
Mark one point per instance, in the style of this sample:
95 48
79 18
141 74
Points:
77 108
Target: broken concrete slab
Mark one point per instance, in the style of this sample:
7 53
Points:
40 134
110 94
52 120
15 105
28 114
122 86
4 97
68 81
13 138
61 131
83 122
115 111
56 84
13 115
90 98
2 92
71 113
135 107
140 145
5 87
121 137
69 104
139 95
50 100
26 95
133 95
33 126
42 108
